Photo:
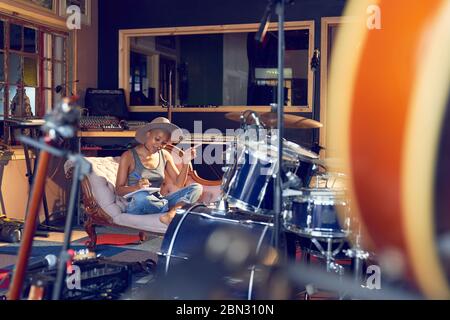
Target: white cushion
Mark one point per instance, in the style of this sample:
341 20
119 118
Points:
147 222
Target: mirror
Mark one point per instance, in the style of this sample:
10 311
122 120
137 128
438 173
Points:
217 69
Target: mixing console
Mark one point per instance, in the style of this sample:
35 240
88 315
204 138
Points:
99 123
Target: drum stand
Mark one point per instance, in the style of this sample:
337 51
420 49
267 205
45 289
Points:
359 256
329 255
331 265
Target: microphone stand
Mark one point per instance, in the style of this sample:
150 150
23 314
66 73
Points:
315 64
169 106
59 124
278 194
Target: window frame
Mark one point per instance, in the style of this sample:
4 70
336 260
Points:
41 31
124 49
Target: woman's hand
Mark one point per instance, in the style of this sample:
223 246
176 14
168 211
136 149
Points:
190 154
144 183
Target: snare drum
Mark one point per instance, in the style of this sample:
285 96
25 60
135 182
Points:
315 214
211 251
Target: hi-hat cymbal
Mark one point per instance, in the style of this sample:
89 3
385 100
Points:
270 120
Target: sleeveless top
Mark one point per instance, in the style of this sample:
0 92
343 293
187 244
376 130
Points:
155 176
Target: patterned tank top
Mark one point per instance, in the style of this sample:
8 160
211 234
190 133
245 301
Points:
155 176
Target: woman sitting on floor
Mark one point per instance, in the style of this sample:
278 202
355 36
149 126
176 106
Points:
146 165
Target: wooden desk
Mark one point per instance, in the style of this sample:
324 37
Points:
193 139
106 134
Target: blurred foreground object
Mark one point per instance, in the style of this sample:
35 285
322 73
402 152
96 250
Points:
389 121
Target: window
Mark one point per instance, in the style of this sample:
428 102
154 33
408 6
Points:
220 66
33 62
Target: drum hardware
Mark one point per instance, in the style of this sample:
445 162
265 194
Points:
312 278
293 181
161 254
287 215
229 220
288 193
309 217
222 206
359 255
329 255
328 176
331 266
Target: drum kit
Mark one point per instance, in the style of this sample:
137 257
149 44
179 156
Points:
316 210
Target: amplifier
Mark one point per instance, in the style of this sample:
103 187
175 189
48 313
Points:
103 102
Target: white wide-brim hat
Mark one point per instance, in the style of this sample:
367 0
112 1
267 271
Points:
157 123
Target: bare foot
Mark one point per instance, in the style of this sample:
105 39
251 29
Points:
144 236
168 217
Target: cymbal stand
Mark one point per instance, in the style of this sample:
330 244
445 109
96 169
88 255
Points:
329 254
279 6
358 255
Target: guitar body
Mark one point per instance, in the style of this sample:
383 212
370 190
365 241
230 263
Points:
389 120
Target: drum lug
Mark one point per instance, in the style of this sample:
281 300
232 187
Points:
309 218
287 215
308 221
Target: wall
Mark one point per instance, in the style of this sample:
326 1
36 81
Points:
169 13
15 188
88 53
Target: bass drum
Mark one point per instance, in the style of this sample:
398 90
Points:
210 256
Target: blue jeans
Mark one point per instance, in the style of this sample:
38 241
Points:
143 203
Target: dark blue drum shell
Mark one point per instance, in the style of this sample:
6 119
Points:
252 183
324 217
184 248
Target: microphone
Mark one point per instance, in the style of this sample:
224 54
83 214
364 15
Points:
265 21
48 262
60 87
315 60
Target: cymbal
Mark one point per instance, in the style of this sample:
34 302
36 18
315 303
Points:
270 120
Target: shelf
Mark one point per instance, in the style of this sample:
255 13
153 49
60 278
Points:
217 109
106 134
